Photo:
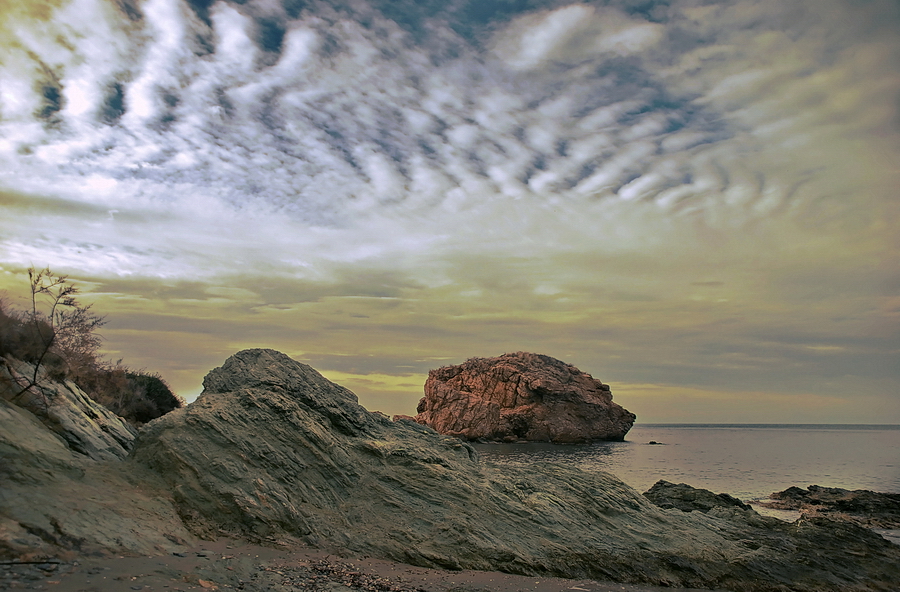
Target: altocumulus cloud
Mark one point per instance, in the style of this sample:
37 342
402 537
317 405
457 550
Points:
461 147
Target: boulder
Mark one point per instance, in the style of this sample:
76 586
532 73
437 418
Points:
687 499
521 396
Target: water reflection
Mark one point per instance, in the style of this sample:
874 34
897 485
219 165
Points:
526 453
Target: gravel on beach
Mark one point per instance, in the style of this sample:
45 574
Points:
226 565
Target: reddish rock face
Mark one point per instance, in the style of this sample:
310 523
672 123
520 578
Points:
521 396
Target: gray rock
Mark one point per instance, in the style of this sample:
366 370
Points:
273 449
687 499
53 499
860 506
85 426
63 482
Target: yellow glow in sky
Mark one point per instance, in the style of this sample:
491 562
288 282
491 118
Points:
695 205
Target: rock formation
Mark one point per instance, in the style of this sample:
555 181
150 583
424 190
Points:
860 506
272 450
84 425
687 499
521 396
63 482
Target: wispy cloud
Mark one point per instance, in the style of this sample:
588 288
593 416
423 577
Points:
547 165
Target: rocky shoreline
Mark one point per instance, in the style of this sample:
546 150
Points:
866 508
272 451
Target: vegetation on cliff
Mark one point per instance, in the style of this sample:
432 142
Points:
57 337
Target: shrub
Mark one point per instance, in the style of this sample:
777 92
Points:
59 335
156 391
24 339
138 396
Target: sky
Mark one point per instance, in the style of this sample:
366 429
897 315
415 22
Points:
696 202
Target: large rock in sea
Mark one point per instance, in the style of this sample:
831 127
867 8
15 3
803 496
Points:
273 449
521 396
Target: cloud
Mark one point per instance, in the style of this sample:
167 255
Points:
395 394
654 403
351 123
558 171
571 35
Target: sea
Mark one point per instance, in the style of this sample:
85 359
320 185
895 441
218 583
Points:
748 461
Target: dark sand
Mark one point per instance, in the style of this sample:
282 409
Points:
231 565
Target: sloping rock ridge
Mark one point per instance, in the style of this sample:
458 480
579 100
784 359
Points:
272 448
64 482
86 426
521 396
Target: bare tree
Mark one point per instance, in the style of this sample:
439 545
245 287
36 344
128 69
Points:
62 325
58 337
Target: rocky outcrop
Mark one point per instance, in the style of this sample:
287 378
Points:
64 485
860 506
521 396
85 426
272 450
687 499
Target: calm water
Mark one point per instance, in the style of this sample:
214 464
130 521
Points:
746 461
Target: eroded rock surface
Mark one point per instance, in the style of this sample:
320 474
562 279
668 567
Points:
521 396
64 485
687 498
272 450
86 427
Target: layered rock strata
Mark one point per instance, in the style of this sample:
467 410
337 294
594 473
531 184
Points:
86 427
273 451
271 448
521 396
688 499
64 482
